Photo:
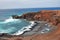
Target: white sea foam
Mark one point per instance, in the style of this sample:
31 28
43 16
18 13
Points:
21 31
27 28
10 20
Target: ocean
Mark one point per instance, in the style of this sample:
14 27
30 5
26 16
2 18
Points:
17 26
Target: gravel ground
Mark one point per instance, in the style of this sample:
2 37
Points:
41 27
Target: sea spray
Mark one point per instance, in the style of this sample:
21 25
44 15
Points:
5 26
9 26
9 20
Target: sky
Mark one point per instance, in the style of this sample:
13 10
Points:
11 4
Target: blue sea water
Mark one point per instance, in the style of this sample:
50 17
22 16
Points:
10 25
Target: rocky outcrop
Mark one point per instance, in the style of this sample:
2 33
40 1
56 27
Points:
50 16
44 15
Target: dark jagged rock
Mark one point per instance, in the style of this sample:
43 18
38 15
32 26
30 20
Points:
44 15
15 16
51 16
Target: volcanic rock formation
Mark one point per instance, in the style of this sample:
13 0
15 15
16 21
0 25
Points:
50 16
45 15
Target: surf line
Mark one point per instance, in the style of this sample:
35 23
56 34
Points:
10 19
27 28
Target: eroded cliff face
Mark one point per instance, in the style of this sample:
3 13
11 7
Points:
51 16
44 15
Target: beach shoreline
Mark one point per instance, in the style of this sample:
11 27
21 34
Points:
47 26
27 28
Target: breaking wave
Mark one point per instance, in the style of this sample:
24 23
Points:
13 25
27 28
10 20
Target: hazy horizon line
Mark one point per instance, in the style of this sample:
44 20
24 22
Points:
34 7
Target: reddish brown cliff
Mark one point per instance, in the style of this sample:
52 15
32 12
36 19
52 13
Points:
51 16
44 15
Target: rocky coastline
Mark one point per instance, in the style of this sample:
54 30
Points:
48 18
44 15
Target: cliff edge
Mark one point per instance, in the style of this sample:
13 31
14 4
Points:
50 16
44 15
